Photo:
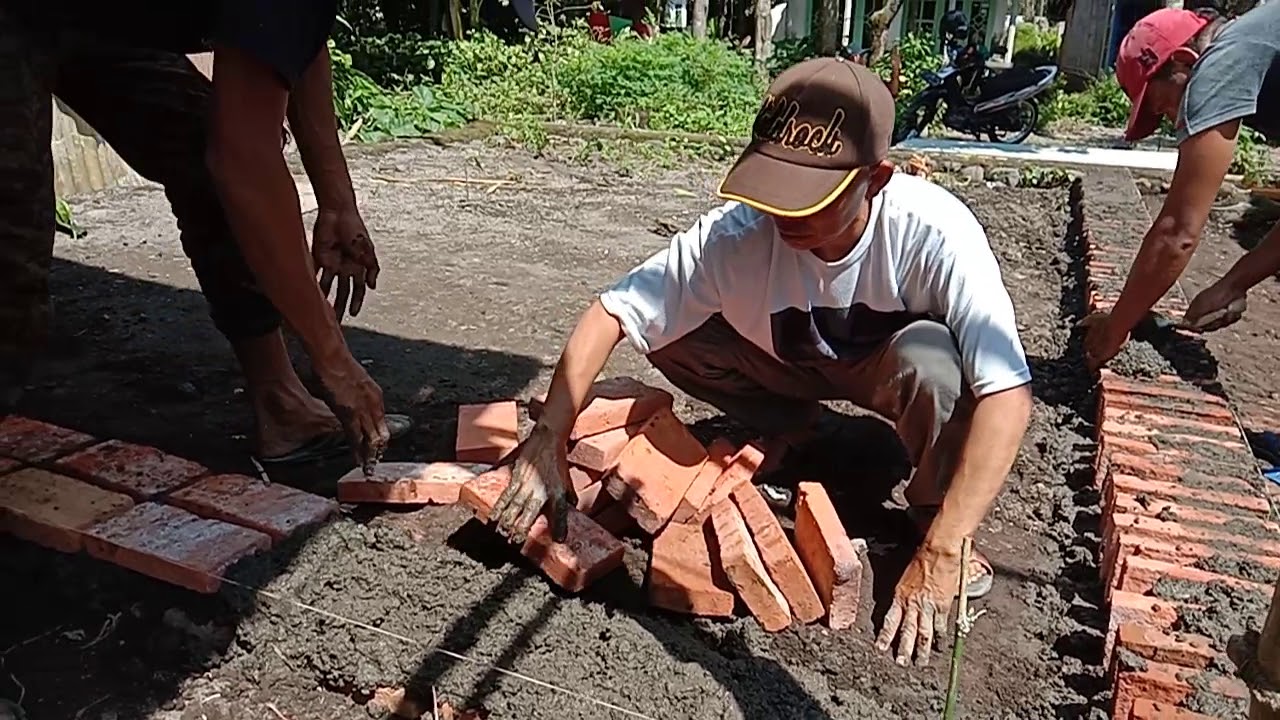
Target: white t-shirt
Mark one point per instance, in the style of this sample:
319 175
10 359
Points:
923 255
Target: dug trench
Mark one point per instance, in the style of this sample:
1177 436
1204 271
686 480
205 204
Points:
473 302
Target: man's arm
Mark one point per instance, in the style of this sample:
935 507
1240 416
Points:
995 435
583 357
1203 161
262 204
315 126
1256 265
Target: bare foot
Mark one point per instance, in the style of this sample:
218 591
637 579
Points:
288 418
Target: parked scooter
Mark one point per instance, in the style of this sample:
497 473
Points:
977 100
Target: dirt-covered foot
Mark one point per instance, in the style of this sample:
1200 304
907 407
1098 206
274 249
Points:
289 420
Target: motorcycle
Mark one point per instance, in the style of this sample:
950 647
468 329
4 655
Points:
977 100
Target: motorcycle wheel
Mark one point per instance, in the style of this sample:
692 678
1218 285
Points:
914 119
1027 113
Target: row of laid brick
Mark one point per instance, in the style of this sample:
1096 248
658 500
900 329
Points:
1179 489
715 539
138 507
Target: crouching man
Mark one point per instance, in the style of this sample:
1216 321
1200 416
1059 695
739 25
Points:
825 277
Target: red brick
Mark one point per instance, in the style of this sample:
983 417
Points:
1124 522
600 453
271 508
591 495
1193 651
1120 482
1139 575
1117 401
683 576
487 431
1144 709
53 510
742 467
612 403
33 441
1170 511
139 471
1131 608
1177 553
614 518
1163 683
173 545
405 483
1175 469
779 556
588 553
1221 428
745 570
655 470
1141 431
719 453
828 554
1163 390
1114 444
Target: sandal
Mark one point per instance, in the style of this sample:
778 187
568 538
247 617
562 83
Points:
331 446
981 575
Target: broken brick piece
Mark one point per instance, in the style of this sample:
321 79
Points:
487 431
612 403
271 508
742 467
828 554
719 453
745 570
588 553
655 470
173 545
1127 607
34 441
683 574
779 556
53 510
599 453
140 471
405 483
591 495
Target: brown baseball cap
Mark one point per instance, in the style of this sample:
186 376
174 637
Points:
822 121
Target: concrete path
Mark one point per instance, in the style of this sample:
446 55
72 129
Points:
1164 160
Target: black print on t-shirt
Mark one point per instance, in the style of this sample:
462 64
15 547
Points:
832 333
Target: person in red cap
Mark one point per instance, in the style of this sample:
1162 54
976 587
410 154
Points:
1210 76
825 276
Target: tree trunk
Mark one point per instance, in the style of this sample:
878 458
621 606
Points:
826 26
698 19
878 23
764 31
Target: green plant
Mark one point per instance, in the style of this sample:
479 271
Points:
1033 45
1252 158
1101 103
788 52
372 113
397 60
64 221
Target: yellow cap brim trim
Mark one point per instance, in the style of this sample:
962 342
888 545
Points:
804 212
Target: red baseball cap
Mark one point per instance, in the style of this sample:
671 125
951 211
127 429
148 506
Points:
1147 47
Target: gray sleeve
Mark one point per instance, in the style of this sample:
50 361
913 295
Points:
1226 81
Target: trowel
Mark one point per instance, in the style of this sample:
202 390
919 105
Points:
1160 323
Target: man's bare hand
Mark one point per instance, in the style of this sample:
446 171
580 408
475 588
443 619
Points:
539 481
921 604
343 252
1214 308
356 400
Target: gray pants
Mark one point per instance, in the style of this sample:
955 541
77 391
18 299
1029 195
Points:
914 379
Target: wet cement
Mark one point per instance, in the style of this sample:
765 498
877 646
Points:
1140 359
1238 567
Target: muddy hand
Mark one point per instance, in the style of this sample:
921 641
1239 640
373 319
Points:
538 483
356 400
921 603
343 253
1101 341
1214 308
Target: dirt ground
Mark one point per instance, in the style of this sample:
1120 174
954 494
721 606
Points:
478 291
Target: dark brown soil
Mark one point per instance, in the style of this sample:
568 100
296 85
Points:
477 293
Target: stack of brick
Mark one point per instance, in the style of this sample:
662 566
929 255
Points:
138 507
1180 492
715 539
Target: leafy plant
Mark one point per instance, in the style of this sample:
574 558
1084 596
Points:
64 221
1252 158
374 113
1033 45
